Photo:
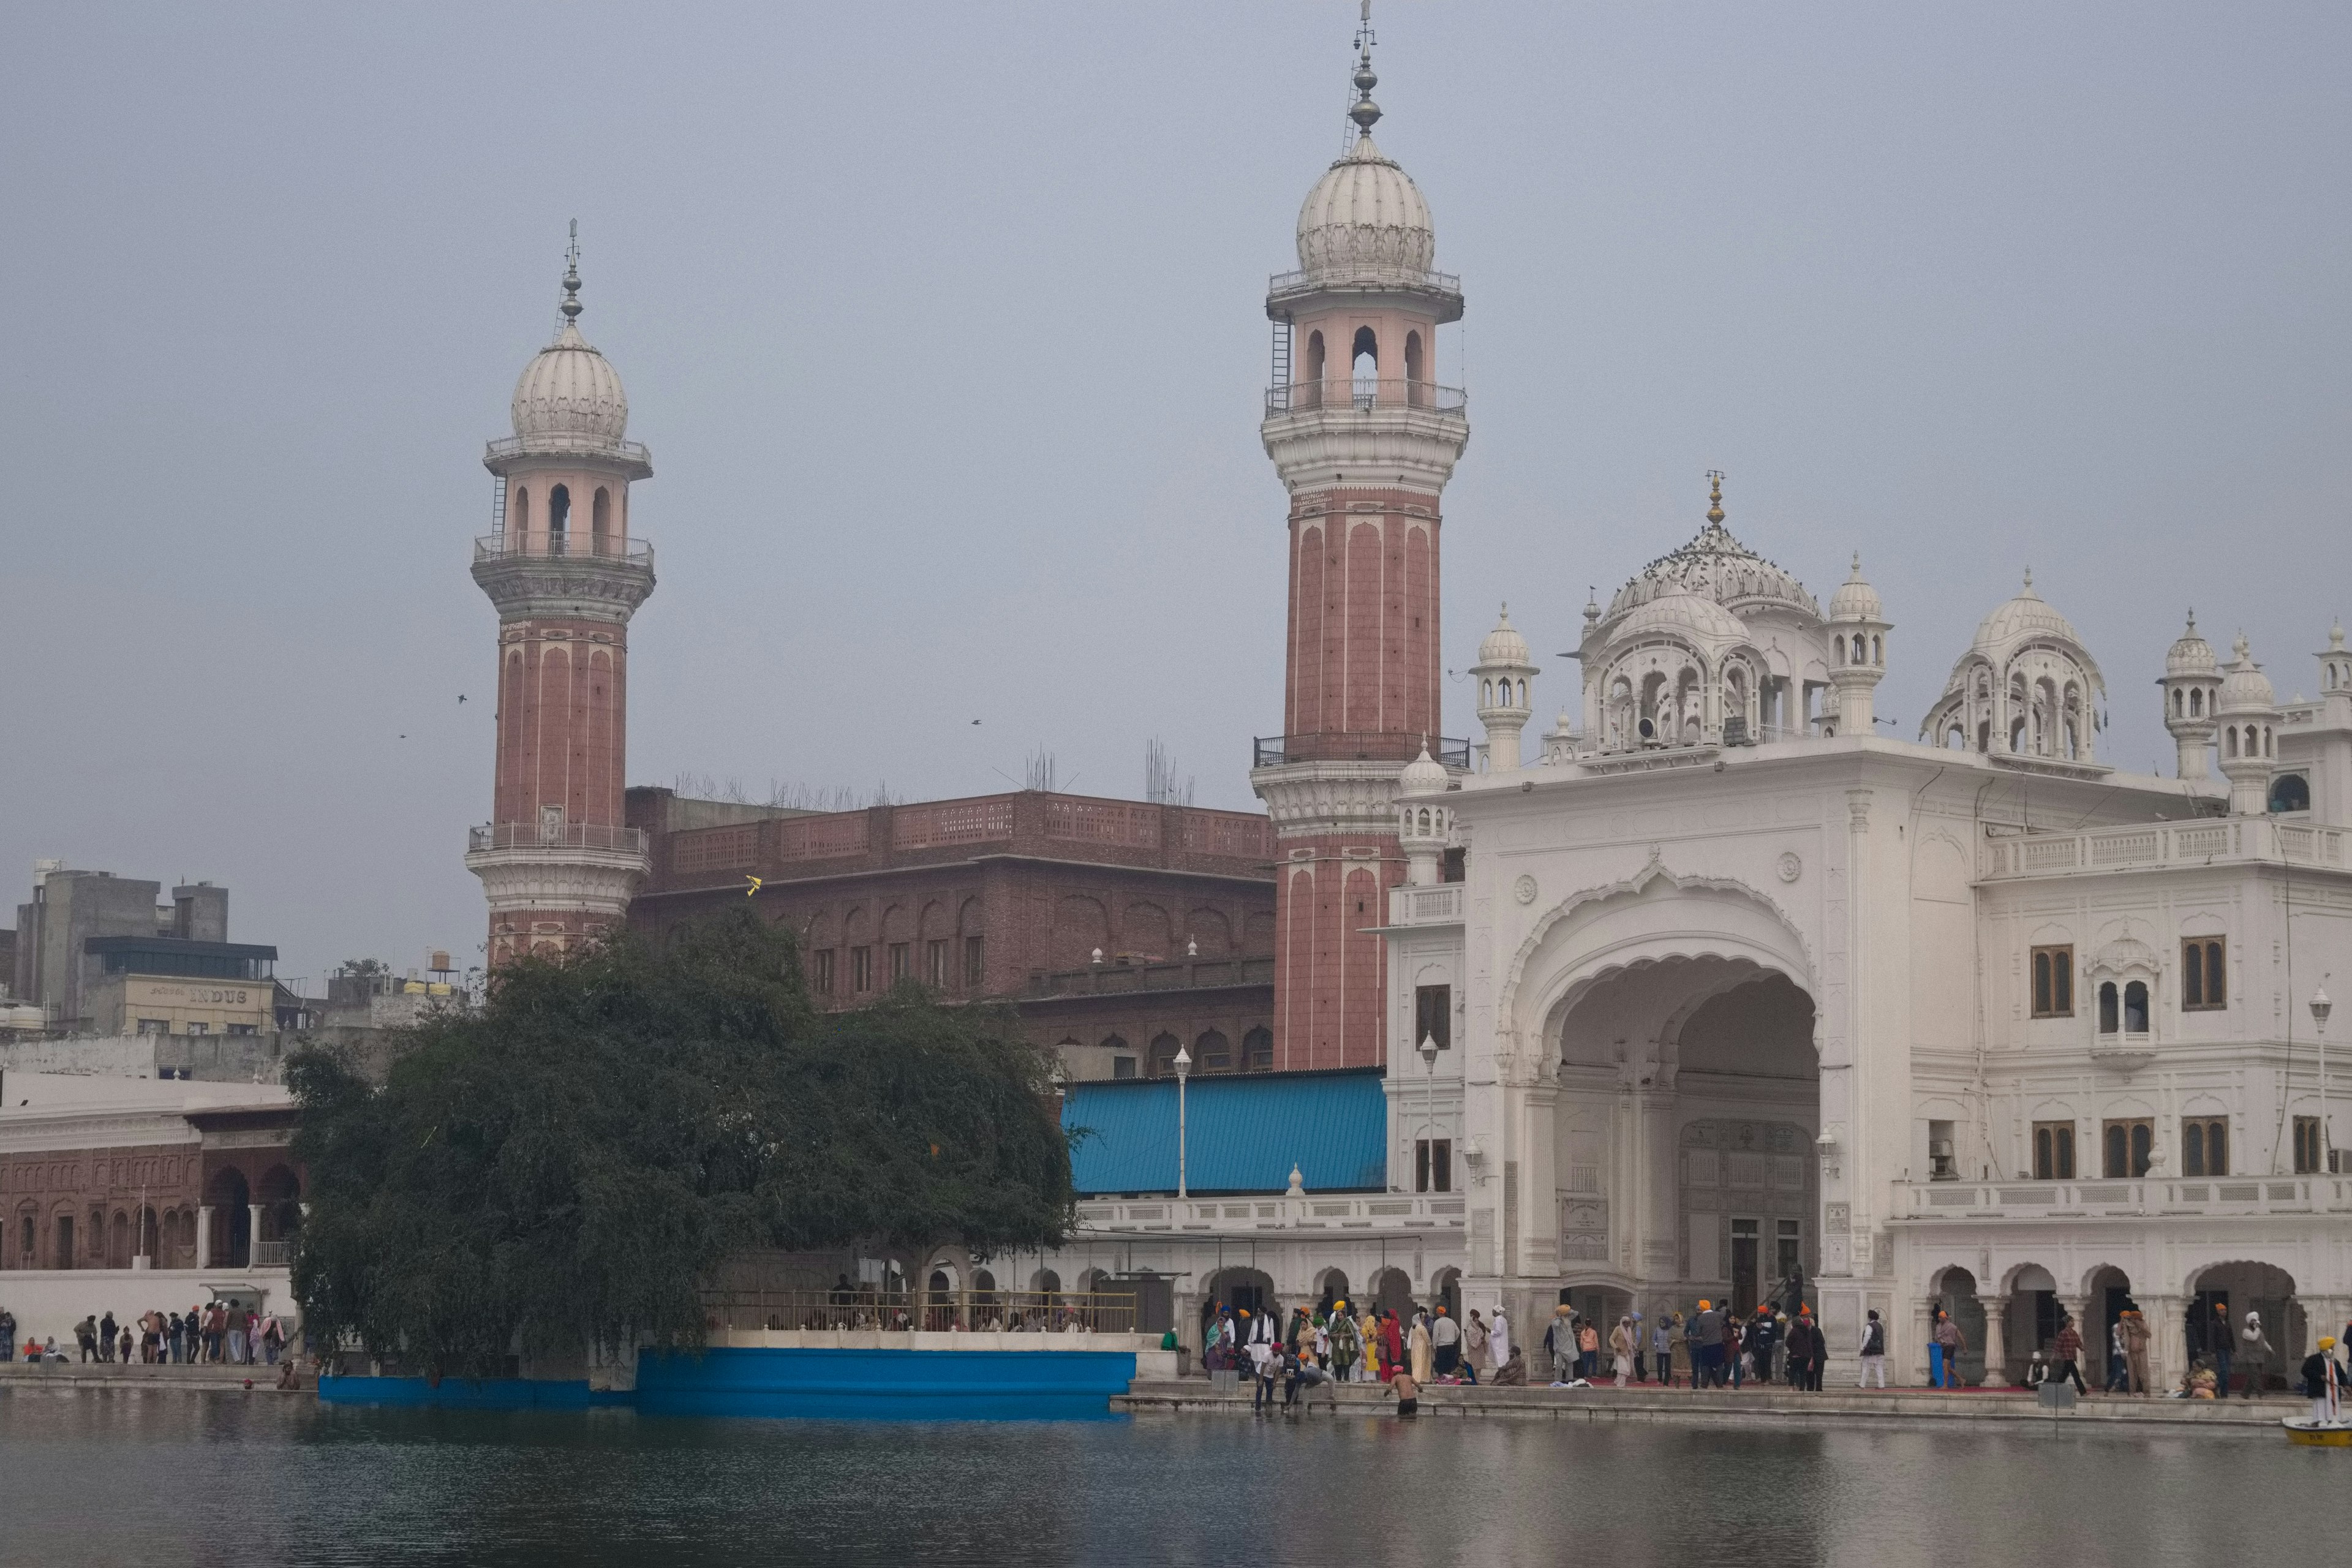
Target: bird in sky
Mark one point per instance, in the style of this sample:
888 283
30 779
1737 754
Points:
461 696
754 888
975 720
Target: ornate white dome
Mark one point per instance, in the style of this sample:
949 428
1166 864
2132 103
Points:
1424 776
1682 613
2246 688
1856 600
2019 621
570 389
1504 644
1365 220
1718 568
2189 654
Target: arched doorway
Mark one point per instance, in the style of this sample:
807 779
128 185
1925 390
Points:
2241 1288
1330 1289
1447 1287
2106 1295
1693 999
232 1218
1955 1294
1236 1290
2031 1320
1391 1291
280 1194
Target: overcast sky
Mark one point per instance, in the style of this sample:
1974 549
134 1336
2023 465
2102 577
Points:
946 327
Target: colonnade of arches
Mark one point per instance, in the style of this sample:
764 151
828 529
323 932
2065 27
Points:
2002 1329
74 1234
1357 378
551 533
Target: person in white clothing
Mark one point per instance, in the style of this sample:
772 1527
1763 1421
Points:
1873 1352
1498 1340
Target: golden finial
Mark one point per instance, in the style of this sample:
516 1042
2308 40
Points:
1714 495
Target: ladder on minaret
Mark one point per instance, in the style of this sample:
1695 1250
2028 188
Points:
1278 394
498 507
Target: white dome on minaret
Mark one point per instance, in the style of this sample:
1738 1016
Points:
1365 220
569 390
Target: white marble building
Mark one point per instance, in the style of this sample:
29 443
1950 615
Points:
1745 984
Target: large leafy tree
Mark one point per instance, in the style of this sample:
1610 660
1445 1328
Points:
572 1162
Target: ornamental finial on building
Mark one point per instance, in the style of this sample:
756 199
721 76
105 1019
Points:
1365 112
571 306
1714 496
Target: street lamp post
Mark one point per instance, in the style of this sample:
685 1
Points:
1184 1071
2320 1007
1429 1058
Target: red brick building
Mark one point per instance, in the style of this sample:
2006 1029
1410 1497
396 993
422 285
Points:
1122 928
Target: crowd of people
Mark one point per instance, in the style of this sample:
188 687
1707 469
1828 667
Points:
222 1334
1712 1347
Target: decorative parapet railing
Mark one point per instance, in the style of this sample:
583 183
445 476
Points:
1440 905
2133 1196
1177 974
2211 841
1303 281
926 1311
1253 1215
539 545
1354 746
632 454
1341 392
491 835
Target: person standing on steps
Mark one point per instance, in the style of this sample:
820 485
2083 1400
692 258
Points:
2255 1351
1873 1352
2217 1337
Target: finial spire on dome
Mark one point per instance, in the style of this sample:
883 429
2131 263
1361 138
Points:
571 306
1714 496
2028 589
1364 111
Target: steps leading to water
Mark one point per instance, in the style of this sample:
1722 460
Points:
1770 1404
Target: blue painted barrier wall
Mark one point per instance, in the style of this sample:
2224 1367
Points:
830 1384
886 1384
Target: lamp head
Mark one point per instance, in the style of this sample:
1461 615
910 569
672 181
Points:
2321 1007
1428 1050
1184 1061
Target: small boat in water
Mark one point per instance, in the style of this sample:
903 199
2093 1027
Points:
2311 1432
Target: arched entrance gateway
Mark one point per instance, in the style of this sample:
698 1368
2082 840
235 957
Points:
1671 1155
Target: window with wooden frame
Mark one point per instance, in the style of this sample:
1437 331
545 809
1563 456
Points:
935 962
2053 982
2205 1146
2204 981
1433 1015
2306 1145
2054 1150
901 961
1433 1164
975 962
2128 1146
861 969
821 971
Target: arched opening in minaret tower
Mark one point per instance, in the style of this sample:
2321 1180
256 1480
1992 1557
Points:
1414 376
1366 366
559 517
1317 368
600 522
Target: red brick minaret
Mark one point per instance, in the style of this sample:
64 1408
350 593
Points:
1364 440
555 858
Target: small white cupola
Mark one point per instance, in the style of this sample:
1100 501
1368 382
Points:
2192 692
1503 672
1857 626
1424 822
2248 714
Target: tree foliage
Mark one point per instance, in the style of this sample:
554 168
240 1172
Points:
572 1162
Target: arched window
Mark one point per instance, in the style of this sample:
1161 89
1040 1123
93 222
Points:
1212 1052
2229 741
1163 1056
2179 700
1837 649
2197 703
1315 370
2270 743
1877 648
518 519
1414 376
2143 1145
1257 1050
2107 1008
2118 1150
1364 366
2136 1007
2290 792
600 522
559 517
1486 694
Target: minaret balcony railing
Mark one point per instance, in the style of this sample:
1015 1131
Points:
538 543
491 835
635 454
1359 746
1341 392
1307 281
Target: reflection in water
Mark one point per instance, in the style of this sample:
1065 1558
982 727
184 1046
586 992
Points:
147 1477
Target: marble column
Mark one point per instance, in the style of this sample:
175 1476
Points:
253 1235
1996 1345
205 1237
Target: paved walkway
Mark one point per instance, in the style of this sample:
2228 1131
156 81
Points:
1771 1403
202 1377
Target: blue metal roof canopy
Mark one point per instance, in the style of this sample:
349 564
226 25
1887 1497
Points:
1243 1133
